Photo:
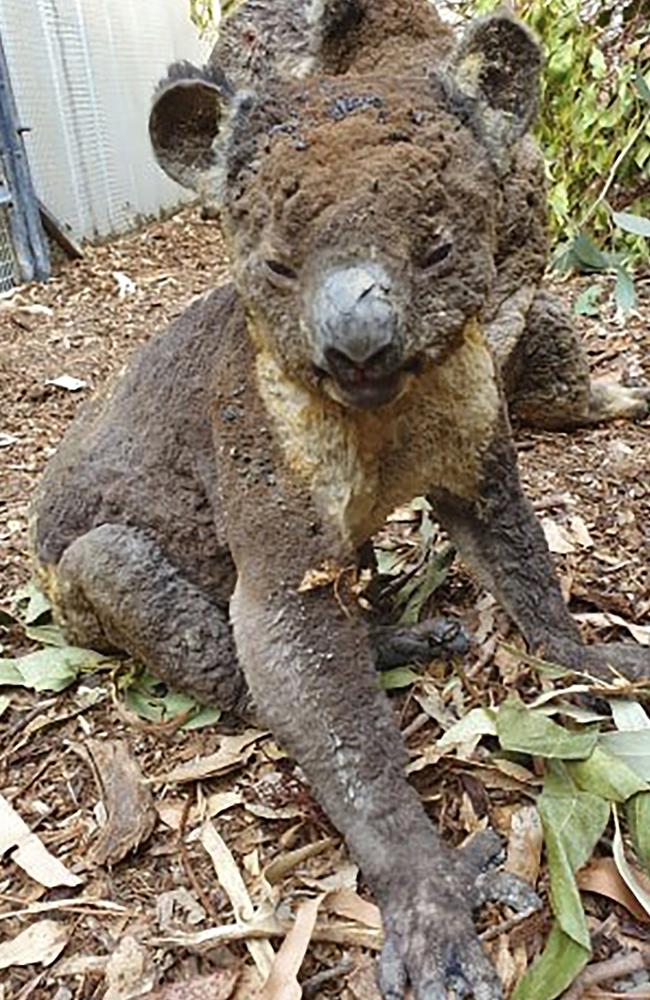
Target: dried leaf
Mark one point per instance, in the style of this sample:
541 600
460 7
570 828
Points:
628 714
282 983
465 734
349 904
525 844
127 799
67 382
605 619
322 576
602 876
558 538
278 868
128 972
29 852
234 751
41 944
233 884
218 986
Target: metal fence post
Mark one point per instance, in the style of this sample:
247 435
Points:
30 243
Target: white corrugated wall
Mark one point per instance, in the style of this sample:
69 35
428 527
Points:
83 72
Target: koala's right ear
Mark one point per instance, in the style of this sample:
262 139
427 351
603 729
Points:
189 112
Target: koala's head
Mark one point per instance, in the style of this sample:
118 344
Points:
359 212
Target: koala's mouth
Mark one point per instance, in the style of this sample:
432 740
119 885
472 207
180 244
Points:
363 390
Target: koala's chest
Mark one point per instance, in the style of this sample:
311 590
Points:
359 466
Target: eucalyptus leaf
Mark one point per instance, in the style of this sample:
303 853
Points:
588 254
625 292
632 747
588 302
637 811
642 87
640 889
639 225
51 669
555 969
467 732
531 732
573 824
628 714
46 635
400 677
607 776
37 603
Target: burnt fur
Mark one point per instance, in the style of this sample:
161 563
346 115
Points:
223 466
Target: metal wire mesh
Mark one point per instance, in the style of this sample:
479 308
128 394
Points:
8 269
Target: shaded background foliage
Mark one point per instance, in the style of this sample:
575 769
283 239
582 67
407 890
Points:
594 125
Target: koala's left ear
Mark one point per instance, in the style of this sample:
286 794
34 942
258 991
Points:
495 77
187 123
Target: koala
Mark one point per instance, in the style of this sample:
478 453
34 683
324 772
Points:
382 203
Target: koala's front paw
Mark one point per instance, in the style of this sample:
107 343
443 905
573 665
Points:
432 639
430 940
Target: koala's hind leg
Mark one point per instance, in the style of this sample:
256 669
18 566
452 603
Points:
116 590
547 376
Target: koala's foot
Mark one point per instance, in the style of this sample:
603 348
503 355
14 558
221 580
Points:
612 401
430 940
436 638
629 659
117 590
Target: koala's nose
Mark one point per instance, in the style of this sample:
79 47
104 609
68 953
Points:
357 322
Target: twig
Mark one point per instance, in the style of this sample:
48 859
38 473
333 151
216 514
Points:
311 986
507 925
601 972
187 864
611 177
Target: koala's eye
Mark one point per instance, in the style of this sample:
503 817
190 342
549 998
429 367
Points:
278 270
434 253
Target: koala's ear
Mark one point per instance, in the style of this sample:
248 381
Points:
189 111
495 76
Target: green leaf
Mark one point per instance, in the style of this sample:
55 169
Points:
555 969
628 714
37 603
400 677
637 224
626 871
203 718
573 823
418 591
588 254
46 635
597 63
467 731
642 88
530 732
637 811
607 776
588 302
632 747
51 669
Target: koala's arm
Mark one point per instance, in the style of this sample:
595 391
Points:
310 670
500 537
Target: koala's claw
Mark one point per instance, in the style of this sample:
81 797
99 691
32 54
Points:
395 645
430 940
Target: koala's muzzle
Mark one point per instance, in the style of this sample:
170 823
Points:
358 342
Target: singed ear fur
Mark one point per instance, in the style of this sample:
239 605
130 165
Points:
495 78
188 113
